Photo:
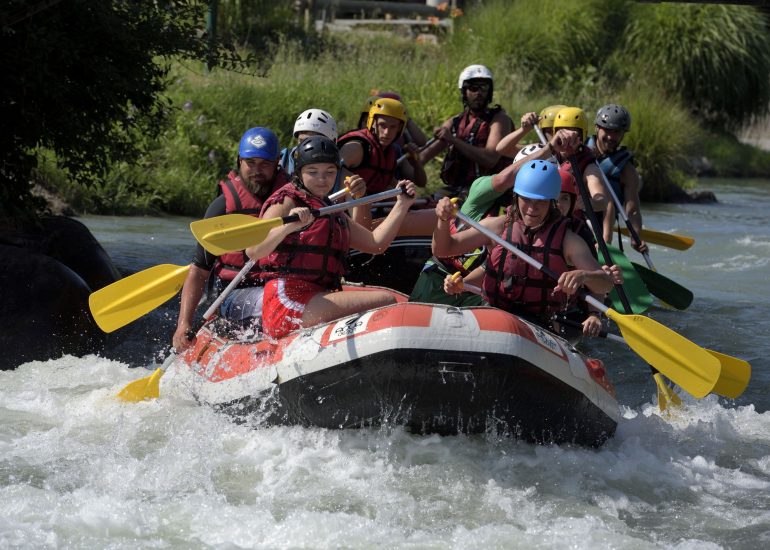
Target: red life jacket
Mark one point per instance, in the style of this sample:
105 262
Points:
515 286
378 167
316 253
238 199
459 171
584 157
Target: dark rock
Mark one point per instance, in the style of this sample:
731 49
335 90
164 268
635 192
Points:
49 269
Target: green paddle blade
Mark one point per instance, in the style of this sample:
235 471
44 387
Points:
638 295
664 288
669 240
690 366
144 388
232 232
126 300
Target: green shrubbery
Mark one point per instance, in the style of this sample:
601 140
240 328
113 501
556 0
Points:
542 52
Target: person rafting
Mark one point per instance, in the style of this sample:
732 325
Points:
488 196
302 262
372 153
243 192
546 118
471 136
311 122
534 224
611 124
412 132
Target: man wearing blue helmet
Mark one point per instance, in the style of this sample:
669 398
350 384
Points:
243 192
534 224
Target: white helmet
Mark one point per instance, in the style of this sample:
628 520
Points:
529 149
473 71
316 120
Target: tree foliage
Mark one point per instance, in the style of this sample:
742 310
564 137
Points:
83 79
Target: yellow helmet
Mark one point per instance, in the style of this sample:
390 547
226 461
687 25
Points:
368 105
385 106
571 117
548 114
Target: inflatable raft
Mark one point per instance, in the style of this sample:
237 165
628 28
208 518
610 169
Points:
432 368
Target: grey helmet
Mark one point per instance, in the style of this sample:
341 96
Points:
613 117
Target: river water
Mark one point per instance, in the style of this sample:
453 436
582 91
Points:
80 469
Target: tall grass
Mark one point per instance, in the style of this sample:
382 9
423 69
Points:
546 39
542 53
715 57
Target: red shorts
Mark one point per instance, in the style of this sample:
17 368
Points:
283 304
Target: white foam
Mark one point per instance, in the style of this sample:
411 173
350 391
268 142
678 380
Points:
81 468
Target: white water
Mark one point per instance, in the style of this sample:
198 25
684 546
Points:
80 469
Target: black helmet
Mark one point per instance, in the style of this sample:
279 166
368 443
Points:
315 150
613 117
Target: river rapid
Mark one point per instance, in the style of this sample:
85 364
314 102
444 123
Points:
80 469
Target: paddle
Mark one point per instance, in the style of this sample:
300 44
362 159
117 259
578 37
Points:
734 373
405 156
664 288
663 389
665 393
684 362
149 386
732 382
638 296
682 298
232 232
669 240
126 300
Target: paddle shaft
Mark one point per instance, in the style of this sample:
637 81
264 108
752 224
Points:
540 134
347 204
403 157
597 227
212 310
622 211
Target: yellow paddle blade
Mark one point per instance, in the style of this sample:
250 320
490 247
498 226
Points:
126 300
735 375
144 388
662 401
688 365
670 240
666 394
232 232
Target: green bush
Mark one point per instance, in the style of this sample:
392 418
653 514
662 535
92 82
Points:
731 158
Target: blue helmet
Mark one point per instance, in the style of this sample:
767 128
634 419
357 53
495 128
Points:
258 143
538 180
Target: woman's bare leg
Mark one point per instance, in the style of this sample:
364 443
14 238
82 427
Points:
327 306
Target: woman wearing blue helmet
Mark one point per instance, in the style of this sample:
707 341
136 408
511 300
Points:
534 224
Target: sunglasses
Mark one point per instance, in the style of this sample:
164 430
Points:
477 87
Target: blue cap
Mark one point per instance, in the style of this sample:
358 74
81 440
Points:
258 143
538 179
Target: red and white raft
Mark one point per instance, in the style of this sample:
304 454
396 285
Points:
433 368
